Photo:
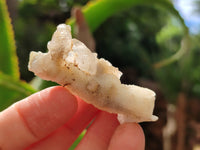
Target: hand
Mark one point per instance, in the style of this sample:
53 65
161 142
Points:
53 118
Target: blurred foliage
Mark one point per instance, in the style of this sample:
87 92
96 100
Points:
33 28
129 38
184 75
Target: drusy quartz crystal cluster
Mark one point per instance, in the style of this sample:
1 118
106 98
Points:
71 64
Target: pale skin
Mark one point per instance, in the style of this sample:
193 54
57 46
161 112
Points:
52 120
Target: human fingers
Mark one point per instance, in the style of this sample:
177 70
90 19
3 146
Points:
128 136
64 137
35 117
99 133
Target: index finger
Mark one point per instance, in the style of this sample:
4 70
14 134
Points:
35 117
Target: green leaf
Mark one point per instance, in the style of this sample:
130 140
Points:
78 140
12 90
8 58
96 12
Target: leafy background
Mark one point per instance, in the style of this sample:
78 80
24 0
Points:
147 39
